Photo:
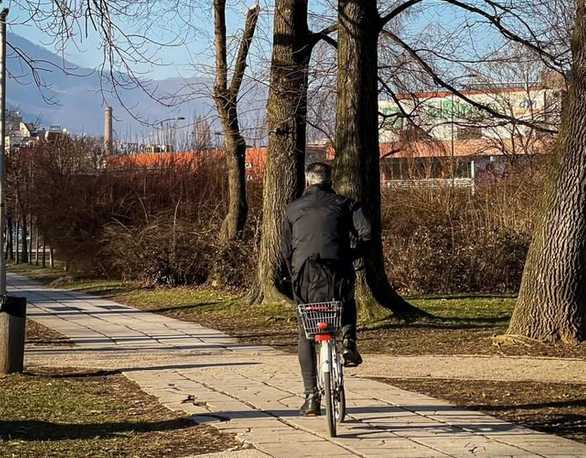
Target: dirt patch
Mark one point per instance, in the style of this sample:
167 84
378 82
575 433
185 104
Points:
555 408
37 334
69 413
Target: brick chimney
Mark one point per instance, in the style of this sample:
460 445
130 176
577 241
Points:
108 130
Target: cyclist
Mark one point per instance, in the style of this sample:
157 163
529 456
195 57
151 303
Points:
324 234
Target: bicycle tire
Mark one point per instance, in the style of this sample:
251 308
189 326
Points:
329 398
341 410
330 414
339 392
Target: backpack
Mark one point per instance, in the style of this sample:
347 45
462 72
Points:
319 280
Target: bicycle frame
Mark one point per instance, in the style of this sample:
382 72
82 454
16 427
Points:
325 343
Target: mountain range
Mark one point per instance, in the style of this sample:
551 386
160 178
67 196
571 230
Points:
74 97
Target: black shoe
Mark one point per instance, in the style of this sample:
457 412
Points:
311 407
350 354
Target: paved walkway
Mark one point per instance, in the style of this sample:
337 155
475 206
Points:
254 391
477 367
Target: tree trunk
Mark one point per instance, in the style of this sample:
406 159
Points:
44 258
9 238
226 98
357 162
37 245
552 301
235 150
30 242
17 237
51 258
24 239
286 118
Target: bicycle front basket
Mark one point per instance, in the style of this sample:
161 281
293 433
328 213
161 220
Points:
320 317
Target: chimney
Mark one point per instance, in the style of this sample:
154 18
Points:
108 130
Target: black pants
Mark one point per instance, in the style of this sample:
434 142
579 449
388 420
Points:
306 347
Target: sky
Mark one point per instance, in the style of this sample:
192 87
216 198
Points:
193 28
84 51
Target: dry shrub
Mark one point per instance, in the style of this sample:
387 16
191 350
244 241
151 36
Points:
154 220
166 252
159 222
162 252
449 240
162 247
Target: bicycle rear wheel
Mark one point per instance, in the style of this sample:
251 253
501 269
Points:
329 395
338 387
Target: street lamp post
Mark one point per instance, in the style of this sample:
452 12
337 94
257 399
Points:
159 124
452 125
3 15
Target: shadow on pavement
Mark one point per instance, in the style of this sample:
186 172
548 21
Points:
367 424
36 430
83 373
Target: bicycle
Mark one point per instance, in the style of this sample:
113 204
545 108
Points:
321 322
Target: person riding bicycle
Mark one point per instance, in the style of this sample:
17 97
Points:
324 234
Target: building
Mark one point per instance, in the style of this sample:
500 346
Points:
21 134
255 161
452 138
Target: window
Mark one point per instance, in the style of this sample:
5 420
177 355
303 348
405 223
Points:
469 133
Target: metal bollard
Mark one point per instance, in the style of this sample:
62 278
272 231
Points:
12 334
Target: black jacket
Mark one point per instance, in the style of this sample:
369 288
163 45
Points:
323 224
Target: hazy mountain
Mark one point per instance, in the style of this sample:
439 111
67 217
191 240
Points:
71 96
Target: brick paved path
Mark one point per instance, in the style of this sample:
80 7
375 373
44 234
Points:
255 391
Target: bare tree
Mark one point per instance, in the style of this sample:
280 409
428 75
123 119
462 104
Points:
124 31
286 118
226 98
552 301
422 59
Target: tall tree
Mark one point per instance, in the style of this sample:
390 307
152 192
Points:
552 300
226 98
286 118
286 111
356 166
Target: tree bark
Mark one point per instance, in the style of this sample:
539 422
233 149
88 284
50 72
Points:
286 117
552 300
226 98
357 161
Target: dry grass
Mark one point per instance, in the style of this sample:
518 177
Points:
555 408
68 413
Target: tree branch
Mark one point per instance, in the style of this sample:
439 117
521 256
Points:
240 66
221 83
440 82
396 11
496 21
324 34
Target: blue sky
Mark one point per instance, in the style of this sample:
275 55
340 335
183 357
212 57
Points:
85 50
178 60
